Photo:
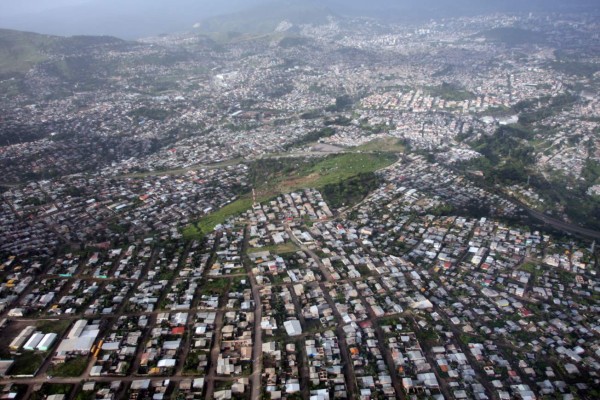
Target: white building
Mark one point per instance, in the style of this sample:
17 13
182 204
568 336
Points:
293 327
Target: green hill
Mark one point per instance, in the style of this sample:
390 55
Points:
20 51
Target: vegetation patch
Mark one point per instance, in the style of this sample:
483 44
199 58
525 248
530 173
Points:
27 364
270 177
383 145
451 92
575 67
276 249
342 103
215 285
192 232
191 363
333 170
313 136
531 268
73 367
530 112
85 395
19 51
49 389
352 190
508 153
209 222
53 326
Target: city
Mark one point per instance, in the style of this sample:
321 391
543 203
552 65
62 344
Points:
352 209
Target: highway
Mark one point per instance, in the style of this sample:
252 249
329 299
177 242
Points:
559 224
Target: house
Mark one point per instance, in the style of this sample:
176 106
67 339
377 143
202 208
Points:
293 327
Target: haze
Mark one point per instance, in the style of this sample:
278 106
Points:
130 19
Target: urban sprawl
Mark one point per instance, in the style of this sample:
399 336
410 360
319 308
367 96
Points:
432 286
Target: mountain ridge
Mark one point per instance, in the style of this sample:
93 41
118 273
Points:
266 17
21 50
141 18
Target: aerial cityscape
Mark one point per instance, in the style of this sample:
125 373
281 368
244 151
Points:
295 201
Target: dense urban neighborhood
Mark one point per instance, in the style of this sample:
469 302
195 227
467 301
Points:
348 209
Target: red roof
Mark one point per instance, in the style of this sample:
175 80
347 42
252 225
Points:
525 312
178 330
365 324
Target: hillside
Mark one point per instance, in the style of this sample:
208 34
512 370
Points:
511 36
408 10
20 51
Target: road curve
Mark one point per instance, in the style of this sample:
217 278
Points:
561 225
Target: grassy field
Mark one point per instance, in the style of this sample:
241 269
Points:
450 92
209 222
333 170
276 249
336 169
270 181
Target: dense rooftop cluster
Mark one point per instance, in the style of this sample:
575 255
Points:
436 284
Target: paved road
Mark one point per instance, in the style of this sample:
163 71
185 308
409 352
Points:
300 348
108 379
344 350
214 356
547 219
257 355
351 385
389 361
561 225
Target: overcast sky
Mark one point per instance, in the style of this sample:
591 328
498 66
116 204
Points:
15 6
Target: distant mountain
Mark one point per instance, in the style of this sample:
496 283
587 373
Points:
427 9
20 51
133 19
129 19
266 18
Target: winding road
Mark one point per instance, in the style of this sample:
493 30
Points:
559 224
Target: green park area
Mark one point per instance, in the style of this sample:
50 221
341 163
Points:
271 177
